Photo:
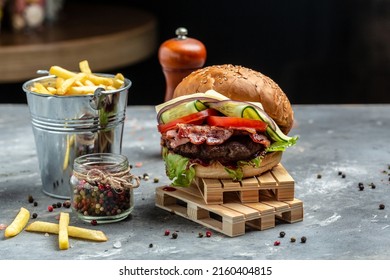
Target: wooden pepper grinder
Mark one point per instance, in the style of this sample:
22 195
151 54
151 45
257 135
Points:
179 57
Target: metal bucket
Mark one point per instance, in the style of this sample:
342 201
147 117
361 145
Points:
66 127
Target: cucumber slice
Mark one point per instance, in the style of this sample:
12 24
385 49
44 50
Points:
181 110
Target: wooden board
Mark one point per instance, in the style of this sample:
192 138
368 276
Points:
278 181
232 218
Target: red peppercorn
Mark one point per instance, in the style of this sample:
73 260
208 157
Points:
208 233
94 222
277 243
167 232
50 208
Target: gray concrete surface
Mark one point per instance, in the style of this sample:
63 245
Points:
340 221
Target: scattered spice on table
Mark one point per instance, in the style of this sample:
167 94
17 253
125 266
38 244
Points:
293 239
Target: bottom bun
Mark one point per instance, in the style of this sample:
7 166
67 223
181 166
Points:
217 170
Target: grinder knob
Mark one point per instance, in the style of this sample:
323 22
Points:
179 57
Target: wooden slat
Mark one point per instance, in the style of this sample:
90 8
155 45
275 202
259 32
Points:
281 176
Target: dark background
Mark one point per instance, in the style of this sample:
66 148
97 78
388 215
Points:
324 51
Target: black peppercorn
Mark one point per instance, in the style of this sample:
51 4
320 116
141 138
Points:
174 235
54 205
381 206
343 176
340 173
319 176
59 204
361 186
200 234
282 234
151 245
155 180
34 215
372 186
303 239
30 199
35 203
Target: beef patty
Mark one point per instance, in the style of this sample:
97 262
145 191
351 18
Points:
231 151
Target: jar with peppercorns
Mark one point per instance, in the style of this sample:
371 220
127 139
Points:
102 187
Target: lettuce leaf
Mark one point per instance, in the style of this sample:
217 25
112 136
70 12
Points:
282 145
178 169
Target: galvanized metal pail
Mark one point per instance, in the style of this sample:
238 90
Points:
66 127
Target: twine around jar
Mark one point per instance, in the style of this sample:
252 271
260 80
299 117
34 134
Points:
120 180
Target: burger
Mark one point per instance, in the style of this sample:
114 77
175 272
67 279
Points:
224 122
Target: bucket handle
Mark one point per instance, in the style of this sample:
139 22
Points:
97 100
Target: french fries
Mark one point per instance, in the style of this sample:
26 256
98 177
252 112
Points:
63 237
76 232
77 83
18 223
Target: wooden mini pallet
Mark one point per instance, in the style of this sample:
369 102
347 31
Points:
233 217
277 180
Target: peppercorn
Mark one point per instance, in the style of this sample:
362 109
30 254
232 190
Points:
155 180
151 245
174 235
340 173
34 215
66 204
208 233
167 232
361 186
35 203
293 239
381 206
59 204
200 234
282 234
50 208
30 199
303 239
343 176
277 243
94 222
54 205
319 176
372 186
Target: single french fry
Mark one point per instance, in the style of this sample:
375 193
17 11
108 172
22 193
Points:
100 80
40 88
63 237
59 82
52 90
84 67
79 90
89 83
61 72
18 223
76 232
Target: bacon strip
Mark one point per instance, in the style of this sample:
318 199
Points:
211 135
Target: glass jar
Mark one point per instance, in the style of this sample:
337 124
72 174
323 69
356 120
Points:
102 187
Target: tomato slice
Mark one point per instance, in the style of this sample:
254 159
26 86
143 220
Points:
236 122
195 118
